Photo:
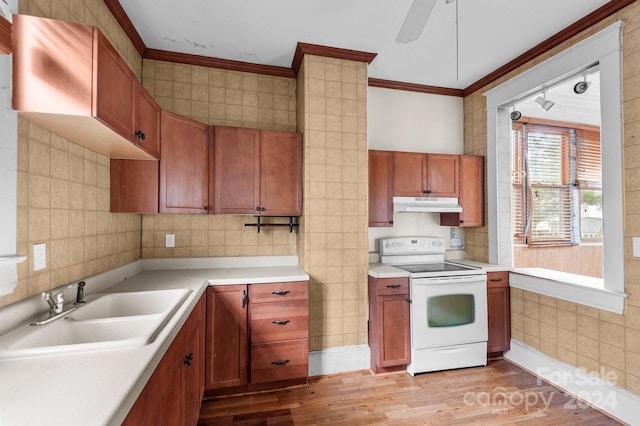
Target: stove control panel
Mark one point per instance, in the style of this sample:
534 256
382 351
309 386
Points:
411 245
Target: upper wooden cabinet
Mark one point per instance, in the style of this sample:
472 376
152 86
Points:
184 165
380 188
134 186
257 172
5 36
471 194
69 79
425 175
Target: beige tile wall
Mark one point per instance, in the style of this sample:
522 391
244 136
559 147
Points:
332 103
63 188
222 97
63 201
214 235
219 97
596 340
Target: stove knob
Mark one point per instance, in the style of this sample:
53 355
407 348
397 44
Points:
400 244
439 243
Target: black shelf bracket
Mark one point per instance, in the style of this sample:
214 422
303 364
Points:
293 223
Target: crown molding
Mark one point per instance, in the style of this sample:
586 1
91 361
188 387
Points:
207 61
123 19
328 52
412 87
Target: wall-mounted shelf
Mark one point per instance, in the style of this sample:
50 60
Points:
293 223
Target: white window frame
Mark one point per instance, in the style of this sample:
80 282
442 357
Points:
605 49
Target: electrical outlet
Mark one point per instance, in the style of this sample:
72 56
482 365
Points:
170 240
39 256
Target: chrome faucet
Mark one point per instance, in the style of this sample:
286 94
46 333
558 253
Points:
55 301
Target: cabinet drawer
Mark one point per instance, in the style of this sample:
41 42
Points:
497 279
279 321
278 292
271 362
389 286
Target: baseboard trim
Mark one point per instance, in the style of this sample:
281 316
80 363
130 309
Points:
605 396
339 360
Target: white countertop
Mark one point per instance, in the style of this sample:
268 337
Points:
100 387
380 270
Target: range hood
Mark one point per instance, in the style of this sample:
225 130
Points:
426 205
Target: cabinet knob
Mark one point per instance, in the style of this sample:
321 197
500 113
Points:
427 191
280 362
188 359
140 135
461 221
285 322
244 298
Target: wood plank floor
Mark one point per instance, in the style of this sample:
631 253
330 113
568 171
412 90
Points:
499 394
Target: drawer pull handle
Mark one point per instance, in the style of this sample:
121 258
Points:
281 362
285 322
495 280
188 359
280 293
394 286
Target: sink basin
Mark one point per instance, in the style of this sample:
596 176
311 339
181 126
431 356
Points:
110 321
129 304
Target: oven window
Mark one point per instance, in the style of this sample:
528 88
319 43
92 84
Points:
450 310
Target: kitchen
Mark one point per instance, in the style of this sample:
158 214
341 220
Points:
332 241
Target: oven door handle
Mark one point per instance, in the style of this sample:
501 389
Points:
458 279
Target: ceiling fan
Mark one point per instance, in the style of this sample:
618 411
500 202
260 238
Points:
416 20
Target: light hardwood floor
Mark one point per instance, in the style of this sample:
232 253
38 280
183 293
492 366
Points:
499 394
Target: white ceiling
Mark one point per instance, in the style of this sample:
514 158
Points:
490 32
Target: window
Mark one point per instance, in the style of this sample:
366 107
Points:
603 48
556 191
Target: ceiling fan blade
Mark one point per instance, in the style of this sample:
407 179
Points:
415 21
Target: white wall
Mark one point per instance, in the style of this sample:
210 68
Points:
417 122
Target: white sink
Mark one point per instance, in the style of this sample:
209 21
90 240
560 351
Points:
110 321
129 304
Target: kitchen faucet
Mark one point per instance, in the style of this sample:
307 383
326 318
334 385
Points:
55 301
56 304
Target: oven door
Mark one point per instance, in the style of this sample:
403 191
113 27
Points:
448 311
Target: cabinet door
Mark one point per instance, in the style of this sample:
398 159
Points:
393 320
409 174
114 89
280 173
443 174
172 409
499 313
147 129
184 165
236 170
193 376
134 186
380 188
471 194
226 337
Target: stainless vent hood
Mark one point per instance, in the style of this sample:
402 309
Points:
426 205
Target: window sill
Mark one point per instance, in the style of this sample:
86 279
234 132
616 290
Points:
574 288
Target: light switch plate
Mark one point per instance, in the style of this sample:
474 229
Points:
636 246
170 240
39 256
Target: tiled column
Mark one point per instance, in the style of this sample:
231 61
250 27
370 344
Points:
332 115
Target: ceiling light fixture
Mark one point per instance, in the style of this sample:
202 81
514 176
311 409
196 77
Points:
581 86
544 102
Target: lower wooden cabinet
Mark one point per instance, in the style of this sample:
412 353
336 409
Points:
499 312
257 336
173 394
389 324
